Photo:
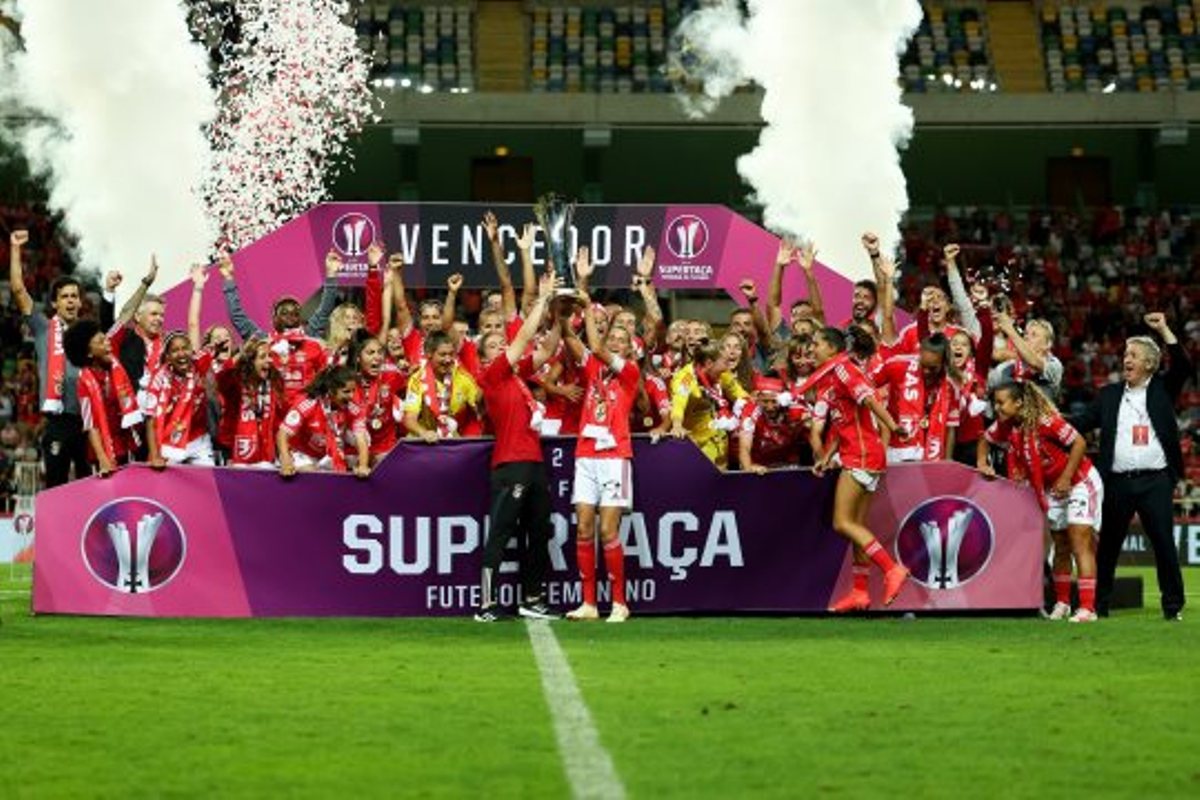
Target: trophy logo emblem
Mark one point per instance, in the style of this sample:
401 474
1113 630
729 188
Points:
687 237
352 234
945 542
133 545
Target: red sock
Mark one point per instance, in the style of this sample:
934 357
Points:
585 556
1087 593
859 574
614 560
1062 587
879 556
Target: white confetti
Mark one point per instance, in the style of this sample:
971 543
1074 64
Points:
294 89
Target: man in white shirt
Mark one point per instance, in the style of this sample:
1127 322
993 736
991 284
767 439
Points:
1140 460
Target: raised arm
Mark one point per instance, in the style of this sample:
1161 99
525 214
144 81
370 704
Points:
199 277
885 272
533 321
958 291
529 280
783 257
329 296
1181 366
385 305
108 299
1026 353
130 309
749 291
583 269
508 297
453 284
375 302
404 320
807 259
643 282
233 302
17 240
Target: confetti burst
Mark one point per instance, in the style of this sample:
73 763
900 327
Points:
294 89
997 277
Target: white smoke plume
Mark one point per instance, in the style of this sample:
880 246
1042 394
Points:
827 166
120 96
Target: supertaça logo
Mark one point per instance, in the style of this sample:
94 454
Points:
945 542
352 234
133 545
687 236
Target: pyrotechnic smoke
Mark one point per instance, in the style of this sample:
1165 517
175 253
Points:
120 97
826 166
294 90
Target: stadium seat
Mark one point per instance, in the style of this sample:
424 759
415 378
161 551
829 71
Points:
419 45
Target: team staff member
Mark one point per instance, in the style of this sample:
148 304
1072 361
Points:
520 492
1141 460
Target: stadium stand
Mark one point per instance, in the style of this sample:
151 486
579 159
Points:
427 47
1124 47
949 52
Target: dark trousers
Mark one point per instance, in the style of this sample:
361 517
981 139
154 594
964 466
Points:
64 443
521 509
965 453
1149 495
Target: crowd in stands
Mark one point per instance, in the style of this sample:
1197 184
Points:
1094 276
1095 47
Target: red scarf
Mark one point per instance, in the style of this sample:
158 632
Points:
174 429
820 372
103 386
334 432
56 366
447 426
257 424
153 353
928 430
1030 446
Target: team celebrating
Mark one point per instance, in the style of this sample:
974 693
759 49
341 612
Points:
779 388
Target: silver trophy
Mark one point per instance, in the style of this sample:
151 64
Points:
554 213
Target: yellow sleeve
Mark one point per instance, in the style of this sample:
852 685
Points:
415 397
683 384
732 388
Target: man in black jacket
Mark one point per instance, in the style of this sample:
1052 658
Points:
1140 460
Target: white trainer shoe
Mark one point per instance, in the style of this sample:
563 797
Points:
1060 611
619 613
1083 615
585 612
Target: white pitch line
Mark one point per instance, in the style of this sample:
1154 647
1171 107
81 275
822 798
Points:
589 767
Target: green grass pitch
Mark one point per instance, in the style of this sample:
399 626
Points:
735 707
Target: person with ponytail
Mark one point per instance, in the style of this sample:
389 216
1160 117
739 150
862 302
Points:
847 402
314 433
706 402
1047 453
379 392
252 402
176 402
